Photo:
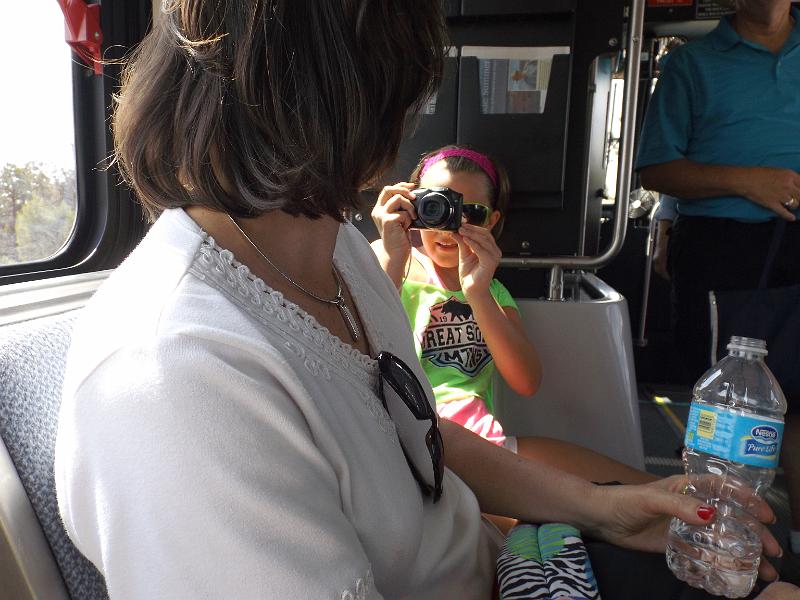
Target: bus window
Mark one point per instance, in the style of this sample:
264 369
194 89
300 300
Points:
38 193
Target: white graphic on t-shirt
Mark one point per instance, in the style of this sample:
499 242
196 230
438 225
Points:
452 338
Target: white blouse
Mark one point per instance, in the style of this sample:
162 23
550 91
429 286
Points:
216 442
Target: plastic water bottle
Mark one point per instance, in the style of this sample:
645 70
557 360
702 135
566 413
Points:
731 452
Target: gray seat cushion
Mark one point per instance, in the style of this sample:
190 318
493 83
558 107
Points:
32 360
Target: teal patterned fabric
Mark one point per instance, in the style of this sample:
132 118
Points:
544 562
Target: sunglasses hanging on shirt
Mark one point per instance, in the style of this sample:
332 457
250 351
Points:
405 400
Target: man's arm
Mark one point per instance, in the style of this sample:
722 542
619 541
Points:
769 187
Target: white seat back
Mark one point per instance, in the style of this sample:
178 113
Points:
588 394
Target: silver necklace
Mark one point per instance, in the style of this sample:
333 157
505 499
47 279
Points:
338 301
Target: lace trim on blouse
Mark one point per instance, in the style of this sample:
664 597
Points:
315 346
363 587
237 278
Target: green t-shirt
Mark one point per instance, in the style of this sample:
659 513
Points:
449 342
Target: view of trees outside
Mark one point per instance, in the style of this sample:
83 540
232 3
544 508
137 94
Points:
37 140
37 212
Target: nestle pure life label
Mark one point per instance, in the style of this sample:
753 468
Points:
735 437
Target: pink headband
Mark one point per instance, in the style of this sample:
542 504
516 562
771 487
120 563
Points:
479 159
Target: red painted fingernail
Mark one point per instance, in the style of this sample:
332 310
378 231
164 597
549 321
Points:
706 512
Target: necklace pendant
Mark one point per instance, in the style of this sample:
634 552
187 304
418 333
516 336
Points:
347 317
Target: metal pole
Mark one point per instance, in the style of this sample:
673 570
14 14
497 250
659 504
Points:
555 290
641 341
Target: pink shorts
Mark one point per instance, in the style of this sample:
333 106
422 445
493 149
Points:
472 413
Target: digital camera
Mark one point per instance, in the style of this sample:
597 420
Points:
437 208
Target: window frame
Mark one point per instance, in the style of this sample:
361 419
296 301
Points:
109 221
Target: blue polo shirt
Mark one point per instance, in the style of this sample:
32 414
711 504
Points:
727 101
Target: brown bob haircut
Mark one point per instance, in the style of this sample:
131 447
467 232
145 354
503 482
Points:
248 106
500 194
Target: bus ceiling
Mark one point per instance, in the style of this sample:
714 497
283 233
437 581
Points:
83 31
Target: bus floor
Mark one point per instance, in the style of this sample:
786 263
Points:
663 411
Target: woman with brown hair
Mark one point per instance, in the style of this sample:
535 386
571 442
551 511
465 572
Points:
243 413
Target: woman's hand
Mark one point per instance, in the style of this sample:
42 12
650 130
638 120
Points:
478 257
637 516
393 214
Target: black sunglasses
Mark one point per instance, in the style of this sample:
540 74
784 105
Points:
399 384
476 213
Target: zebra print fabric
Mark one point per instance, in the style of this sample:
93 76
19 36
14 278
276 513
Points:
545 562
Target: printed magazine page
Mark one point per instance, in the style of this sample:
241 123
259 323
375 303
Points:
513 80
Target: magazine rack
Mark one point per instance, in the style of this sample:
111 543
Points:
530 145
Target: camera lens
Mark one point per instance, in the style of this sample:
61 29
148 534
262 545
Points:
434 210
437 208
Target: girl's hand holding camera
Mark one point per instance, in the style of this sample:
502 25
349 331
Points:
392 214
478 258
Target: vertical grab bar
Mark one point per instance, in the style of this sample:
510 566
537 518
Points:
641 341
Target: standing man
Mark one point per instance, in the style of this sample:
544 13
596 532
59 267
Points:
722 134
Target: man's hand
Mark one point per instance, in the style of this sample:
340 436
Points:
775 189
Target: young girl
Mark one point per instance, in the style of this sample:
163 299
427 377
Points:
465 322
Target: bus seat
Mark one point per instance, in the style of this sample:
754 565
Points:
37 559
588 393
